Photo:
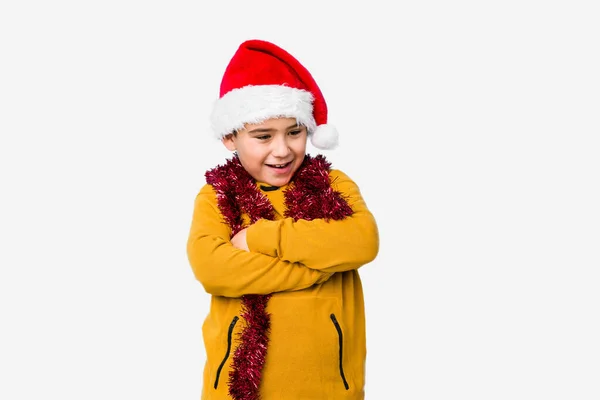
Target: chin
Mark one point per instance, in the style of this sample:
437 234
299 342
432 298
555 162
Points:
279 182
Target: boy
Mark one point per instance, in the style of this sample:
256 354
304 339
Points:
277 237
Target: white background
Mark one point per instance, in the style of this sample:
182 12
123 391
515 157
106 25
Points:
472 128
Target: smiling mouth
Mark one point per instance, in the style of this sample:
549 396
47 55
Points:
279 165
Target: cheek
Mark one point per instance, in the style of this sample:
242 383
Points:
299 146
252 154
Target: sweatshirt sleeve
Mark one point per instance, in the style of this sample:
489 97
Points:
330 246
224 270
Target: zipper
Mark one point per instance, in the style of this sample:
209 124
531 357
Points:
229 334
341 343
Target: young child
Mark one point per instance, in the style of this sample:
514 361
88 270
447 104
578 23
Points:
276 238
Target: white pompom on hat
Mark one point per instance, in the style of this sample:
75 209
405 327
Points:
264 81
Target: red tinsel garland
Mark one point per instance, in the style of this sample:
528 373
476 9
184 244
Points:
309 196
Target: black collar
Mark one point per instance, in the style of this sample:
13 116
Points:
269 188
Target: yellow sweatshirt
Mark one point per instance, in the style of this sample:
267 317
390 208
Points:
317 342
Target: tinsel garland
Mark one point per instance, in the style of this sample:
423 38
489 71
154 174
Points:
309 196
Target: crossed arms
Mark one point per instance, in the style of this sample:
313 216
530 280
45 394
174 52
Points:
283 255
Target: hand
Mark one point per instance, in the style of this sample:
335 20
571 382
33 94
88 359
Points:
239 240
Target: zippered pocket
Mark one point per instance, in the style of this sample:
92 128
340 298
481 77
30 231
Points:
338 328
229 337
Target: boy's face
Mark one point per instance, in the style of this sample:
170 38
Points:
270 151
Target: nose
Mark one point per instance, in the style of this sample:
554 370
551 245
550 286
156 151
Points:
280 146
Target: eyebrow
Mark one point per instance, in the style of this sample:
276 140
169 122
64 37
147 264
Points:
263 130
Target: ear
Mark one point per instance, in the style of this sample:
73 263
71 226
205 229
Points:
229 143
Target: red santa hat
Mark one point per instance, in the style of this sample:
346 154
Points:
264 81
